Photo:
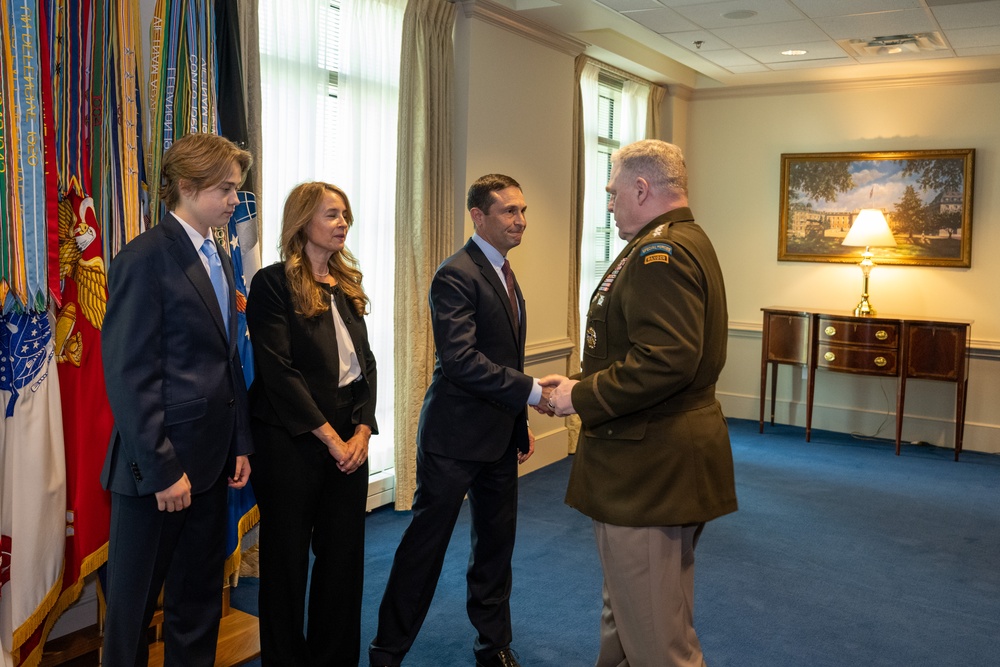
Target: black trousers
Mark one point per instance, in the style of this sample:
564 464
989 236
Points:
181 552
306 502
442 484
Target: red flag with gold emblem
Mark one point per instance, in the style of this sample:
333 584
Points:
87 419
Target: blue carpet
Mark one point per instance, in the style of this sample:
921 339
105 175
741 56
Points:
842 554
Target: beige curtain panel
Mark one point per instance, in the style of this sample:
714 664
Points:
424 213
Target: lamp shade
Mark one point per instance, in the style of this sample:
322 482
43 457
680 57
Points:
869 229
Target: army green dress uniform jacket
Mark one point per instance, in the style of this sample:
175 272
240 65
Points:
654 450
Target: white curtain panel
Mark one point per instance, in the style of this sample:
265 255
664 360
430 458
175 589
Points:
348 140
364 165
594 196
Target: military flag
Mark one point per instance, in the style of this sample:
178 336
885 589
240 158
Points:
243 513
32 527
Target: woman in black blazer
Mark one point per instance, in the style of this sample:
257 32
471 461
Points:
313 411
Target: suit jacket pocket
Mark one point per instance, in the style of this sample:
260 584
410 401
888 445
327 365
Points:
185 412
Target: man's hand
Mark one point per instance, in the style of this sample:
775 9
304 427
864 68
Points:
242 473
524 456
542 407
175 497
560 400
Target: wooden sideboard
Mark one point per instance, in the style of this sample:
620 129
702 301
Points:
900 347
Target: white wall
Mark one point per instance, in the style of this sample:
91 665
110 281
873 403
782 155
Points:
733 149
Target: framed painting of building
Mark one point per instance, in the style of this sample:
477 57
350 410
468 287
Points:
925 196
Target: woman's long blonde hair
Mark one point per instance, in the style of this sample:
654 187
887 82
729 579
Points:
308 297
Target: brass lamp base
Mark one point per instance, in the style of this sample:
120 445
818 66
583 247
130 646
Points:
865 308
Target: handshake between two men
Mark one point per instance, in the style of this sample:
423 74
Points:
557 399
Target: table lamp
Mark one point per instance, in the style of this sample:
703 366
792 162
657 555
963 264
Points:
869 229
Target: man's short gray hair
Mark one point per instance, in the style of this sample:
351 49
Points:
660 163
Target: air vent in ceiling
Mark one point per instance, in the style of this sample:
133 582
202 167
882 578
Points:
894 44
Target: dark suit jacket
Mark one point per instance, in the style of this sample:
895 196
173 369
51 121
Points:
476 403
655 448
174 381
296 358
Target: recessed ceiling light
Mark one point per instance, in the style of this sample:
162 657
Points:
740 14
794 52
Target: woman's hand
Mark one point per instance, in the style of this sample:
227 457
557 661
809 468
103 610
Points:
340 451
359 449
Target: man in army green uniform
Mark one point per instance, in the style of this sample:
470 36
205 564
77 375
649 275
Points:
654 461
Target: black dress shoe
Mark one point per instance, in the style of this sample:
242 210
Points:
505 658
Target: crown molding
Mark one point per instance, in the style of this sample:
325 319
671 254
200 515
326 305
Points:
681 91
917 81
508 19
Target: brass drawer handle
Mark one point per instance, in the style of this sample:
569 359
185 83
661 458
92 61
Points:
829 356
830 331
880 361
881 334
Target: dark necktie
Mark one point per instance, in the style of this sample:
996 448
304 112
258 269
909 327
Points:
218 281
508 276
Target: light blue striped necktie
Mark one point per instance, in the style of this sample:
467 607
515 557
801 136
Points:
218 280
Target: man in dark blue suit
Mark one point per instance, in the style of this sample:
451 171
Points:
473 432
179 401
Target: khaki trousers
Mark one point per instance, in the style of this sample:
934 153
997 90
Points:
648 615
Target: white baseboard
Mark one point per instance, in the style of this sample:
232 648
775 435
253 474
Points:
381 489
936 431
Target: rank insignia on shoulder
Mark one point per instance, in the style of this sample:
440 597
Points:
659 230
656 252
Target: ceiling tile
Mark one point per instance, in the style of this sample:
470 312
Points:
965 38
748 69
814 51
709 42
771 33
819 8
979 51
809 64
729 57
681 3
878 24
901 57
626 5
968 15
661 20
943 3
711 15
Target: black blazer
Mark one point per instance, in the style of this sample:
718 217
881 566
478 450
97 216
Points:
296 358
476 404
173 376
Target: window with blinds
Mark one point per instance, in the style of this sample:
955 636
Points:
329 56
609 100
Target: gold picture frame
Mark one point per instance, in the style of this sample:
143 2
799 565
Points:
926 197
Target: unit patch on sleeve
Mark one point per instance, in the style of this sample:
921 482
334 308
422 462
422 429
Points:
656 252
